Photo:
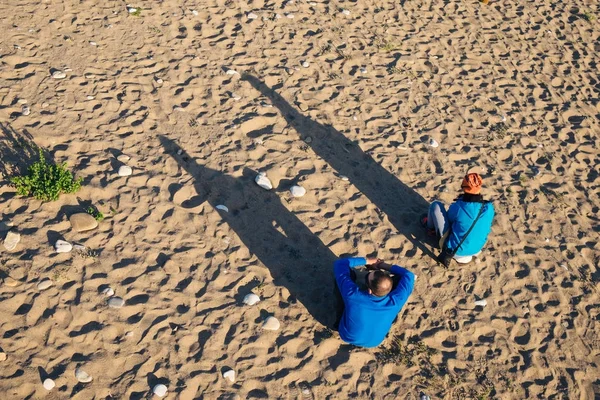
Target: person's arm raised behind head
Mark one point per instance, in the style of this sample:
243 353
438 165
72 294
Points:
341 270
406 280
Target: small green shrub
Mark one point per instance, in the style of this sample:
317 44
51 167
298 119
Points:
46 181
588 16
94 212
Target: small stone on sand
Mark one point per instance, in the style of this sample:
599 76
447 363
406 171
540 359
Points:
251 299
11 240
108 292
229 374
125 170
116 302
44 284
123 158
271 324
82 376
231 72
346 12
235 96
82 222
252 16
2 356
59 75
49 384
306 64
25 110
481 303
297 191
262 181
433 143
63 247
11 282
160 390
344 178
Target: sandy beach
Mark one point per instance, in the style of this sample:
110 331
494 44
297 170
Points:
376 109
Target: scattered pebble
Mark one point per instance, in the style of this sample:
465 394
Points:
44 284
251 299
25 110
94 43
79 247
160 390
235 96
59 75
252 16
425 397
44 105
49 384
231 72
129 334
344 178
306 64
179 152
90 97
109 292
82 222
290 16
125 170
433 143
11 240
22 101
363 70
481 303
229 374
278 16
63 247
271 324
346 12
402 148
3 356
123 158
82 376
262 181
131 10
194 12
222 207
297 191
116 302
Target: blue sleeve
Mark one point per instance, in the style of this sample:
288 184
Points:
341 270
406 283
453 212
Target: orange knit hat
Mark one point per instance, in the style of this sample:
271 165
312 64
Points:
472 183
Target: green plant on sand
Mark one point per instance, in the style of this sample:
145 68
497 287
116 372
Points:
94 212
46 181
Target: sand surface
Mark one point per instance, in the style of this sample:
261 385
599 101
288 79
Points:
343 98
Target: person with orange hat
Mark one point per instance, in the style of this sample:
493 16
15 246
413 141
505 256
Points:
463 229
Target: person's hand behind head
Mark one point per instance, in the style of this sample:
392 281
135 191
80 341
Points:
373 263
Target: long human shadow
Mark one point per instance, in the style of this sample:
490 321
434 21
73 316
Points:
296 258
399 202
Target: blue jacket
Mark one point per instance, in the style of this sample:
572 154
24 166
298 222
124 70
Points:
461 215
367 318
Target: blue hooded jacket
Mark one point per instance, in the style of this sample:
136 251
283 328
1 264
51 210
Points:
367 318
461 215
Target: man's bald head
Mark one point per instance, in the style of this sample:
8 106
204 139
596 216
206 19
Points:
380 283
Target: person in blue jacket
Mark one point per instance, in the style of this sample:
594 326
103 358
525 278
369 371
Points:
452 225
368 315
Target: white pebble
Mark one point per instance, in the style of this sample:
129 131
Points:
481 303
123 158
433 143
271 324
278 16
82 376
108 292
59 75
63 247
290 16
231 72
363 70
297 191
222 207
230 374
346 12
194 12
11 240
44 284
262 181
251 299
94 43
179 152
116 302
306 64
22 101
125 170
344 178
160 390
49 384
131 10
90 97
235 96
25 110
402 148
252 16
